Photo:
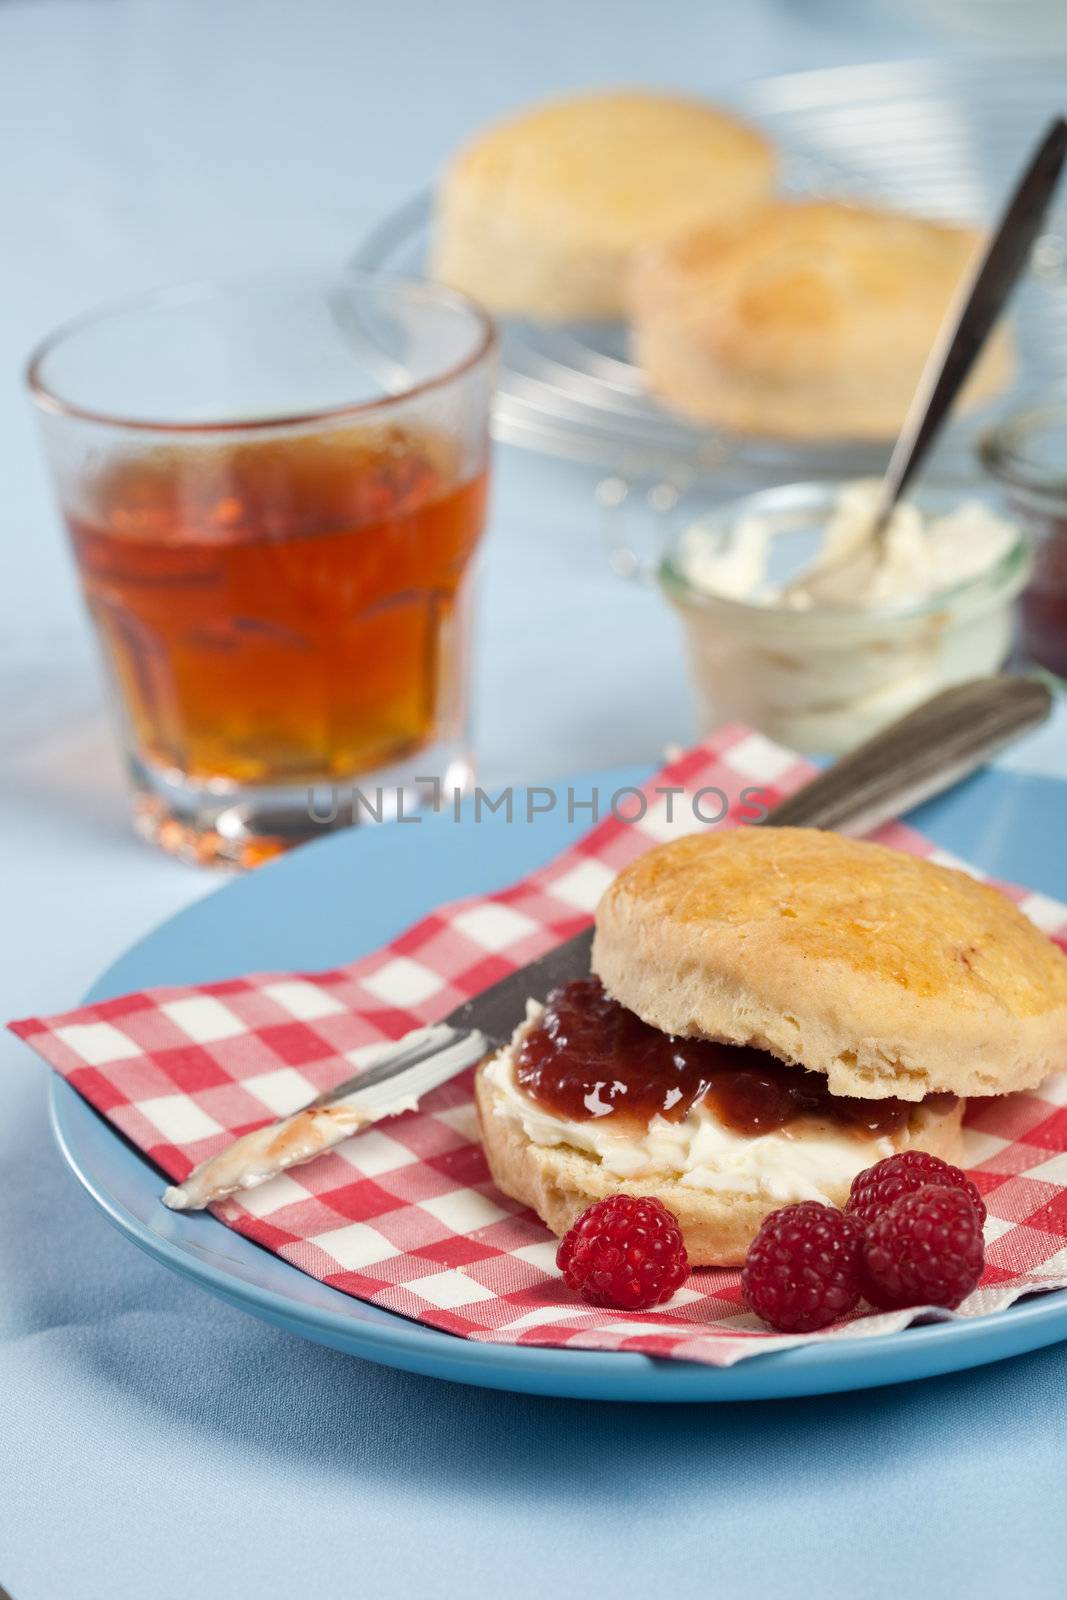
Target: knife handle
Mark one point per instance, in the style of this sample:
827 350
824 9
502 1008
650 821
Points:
918 756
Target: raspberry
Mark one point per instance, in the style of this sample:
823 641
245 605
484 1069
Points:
878 1187
803 1267
625 1252
925 1250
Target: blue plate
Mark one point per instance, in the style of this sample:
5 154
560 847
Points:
331 901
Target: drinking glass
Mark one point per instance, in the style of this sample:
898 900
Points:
274 491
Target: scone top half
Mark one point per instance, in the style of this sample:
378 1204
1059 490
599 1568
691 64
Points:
890 974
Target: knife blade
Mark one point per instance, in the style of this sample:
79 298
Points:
408 1070
920 755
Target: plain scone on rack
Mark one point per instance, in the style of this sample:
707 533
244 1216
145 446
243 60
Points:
540 215
805 319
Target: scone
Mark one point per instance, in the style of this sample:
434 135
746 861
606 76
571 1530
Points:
541 215
806 320
773 1011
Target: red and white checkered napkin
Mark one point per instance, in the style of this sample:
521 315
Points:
405 1214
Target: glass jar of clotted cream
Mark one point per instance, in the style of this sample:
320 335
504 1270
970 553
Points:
936 609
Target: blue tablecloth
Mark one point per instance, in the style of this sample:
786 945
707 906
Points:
151 1440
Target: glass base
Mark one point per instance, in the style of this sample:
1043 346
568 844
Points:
222 824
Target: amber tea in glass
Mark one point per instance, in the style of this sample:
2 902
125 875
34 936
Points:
282 600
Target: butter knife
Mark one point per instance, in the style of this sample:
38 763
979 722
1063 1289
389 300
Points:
923 753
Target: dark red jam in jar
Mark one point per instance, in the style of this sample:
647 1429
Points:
1044 603
590 1057
1027 453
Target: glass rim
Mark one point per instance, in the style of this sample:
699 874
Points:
807 497
1002 451
48 399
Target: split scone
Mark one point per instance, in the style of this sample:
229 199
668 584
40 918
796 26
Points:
772 1011
540 215
808 319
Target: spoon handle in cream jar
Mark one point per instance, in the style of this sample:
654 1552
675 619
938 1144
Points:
970 320
978 307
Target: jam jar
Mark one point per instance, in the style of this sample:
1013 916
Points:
1027 455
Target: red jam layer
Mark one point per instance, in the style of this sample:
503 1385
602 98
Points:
590 1057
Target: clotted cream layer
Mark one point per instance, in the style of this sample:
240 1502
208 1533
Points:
785 1166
